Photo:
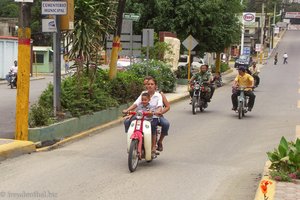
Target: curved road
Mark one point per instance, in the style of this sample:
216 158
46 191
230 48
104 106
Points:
208 156
8 104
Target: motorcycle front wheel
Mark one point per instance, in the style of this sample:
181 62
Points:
133 157
240 110
194 107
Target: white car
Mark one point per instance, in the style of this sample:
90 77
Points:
196 64
123 64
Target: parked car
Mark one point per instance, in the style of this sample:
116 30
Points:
123 64
195 65
243 60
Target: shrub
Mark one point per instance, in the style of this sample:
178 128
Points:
40 116
80 95
182 72
126 87
223 67
286 158
159 70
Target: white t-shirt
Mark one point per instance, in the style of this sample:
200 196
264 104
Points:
155 101
285 55
14 69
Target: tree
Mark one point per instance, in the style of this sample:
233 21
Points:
214 23
93 21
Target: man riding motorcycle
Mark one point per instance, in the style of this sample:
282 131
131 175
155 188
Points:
203 76
13 71
243 79
254 72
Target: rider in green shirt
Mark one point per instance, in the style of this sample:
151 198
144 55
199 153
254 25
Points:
203 76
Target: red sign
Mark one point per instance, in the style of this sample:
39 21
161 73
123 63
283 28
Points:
249 17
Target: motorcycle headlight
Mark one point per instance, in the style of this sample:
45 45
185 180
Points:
197 87
139 115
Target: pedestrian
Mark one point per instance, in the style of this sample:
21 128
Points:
276 58
285 57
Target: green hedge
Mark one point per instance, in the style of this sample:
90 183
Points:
88 93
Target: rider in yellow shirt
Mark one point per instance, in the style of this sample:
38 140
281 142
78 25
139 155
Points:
244 80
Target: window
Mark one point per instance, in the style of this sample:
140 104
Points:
38 58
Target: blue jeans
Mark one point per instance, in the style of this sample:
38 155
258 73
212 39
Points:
8 77
165 125
154 123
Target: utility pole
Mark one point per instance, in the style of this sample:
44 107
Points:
262 18
116 41
242 35
56 67
24 61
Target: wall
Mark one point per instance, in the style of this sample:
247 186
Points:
173 57
8 54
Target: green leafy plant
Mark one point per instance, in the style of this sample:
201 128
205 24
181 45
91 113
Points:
182 72
223 68
40 116
161 71
126 87
286 158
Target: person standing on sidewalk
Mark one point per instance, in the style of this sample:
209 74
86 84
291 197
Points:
276 58
285 57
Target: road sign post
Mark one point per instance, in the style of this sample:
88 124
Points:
190 43
148 41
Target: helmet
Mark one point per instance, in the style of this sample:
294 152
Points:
242 68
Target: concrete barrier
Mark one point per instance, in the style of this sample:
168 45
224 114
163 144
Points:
69 127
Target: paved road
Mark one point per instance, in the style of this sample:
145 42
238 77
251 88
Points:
208 156
8 104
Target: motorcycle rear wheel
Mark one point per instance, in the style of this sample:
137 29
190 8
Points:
133 157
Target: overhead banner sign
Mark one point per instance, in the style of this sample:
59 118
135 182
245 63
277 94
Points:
248 17
54 8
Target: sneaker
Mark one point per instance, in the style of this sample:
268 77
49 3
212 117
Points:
234 108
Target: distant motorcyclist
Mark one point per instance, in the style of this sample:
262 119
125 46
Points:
13 70
203 76
243 79
285 57
254 72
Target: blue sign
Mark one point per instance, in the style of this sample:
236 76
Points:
246 51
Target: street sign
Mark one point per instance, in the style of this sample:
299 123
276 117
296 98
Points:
148 37
131 16
190 43
49 25
246 51
257 47
54 8
248 17
24 1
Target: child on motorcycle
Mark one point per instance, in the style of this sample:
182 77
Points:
156 104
